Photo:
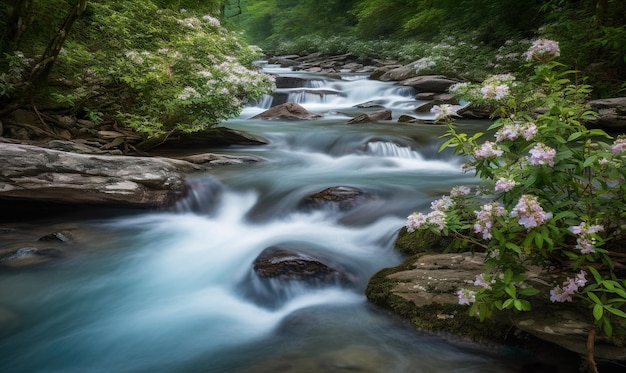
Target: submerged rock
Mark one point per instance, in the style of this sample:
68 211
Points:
344 197
288 264
372 117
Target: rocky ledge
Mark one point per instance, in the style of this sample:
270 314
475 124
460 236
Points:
423 290
35 173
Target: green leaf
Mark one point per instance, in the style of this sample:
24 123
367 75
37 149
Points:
590 160
507 303
514 247
518 305
529 291
596 274
574 136
615 312
594 298
510 290
598 311
606 327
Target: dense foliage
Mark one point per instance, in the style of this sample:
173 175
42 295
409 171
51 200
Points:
154 66
552 195
592 33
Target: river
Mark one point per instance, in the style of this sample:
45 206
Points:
173 291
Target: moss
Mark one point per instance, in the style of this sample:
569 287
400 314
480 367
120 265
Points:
450 319
420 242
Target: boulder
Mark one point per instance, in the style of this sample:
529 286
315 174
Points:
344 197
40 174
612 113
284 264
372 117
424 287
287 111
289 82
411 70
429 83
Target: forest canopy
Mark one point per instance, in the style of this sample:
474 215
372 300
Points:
592 33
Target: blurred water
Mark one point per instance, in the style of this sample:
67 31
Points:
169 291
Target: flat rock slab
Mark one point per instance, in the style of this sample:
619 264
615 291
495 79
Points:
38 174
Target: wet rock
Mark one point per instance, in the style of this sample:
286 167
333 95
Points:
288 264
612 113
408 71
429 83
287 111
424 287
372 117
344 197
62 236
27 256
370 104
220 159
289 81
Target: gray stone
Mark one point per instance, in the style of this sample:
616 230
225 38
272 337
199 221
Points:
288 111
40 174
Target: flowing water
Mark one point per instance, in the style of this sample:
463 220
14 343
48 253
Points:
173 291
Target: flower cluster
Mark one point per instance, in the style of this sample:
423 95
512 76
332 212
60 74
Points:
480 281
542 154
484 219
585 240
488 150
459 191
543 50
436 218
511 131
571 286
505 185
619 146
444 111
529 213
466 297
495 92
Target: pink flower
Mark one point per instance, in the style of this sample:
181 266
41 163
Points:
505 185
460 191
529 130
585 241
619 146
529 212
570 286
511 131
480 281
443 111
466 297
488 150
484 219
415 221
492 91
442 204
541 154
543 50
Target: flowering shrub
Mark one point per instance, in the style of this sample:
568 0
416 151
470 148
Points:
553 193
170 69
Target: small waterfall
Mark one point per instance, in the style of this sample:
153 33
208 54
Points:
389 149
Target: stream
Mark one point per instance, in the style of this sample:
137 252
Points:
174 291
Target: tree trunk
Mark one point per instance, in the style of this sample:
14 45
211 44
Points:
39 73
19 16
